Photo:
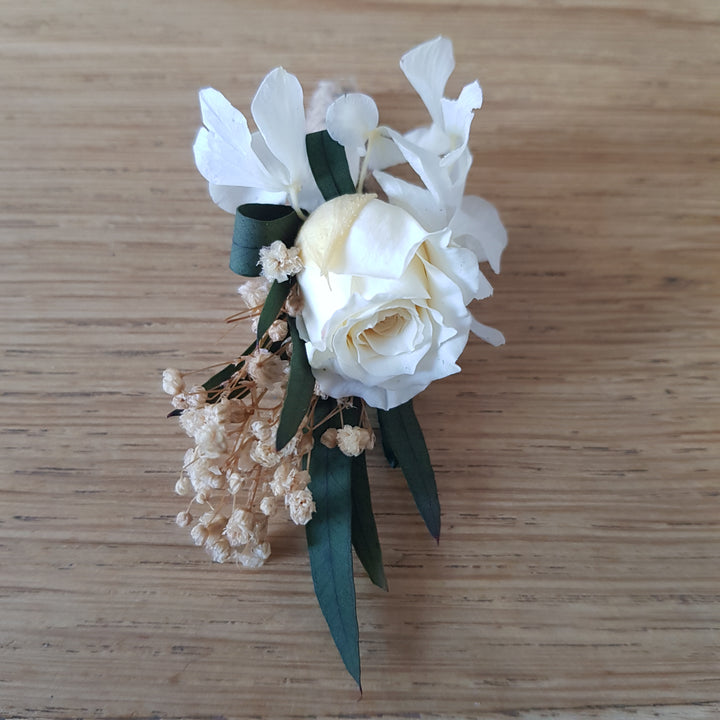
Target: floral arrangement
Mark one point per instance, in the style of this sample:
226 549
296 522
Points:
358 289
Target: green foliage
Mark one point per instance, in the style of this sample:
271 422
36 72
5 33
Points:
328 163
301 383
403 435
256 226
329 542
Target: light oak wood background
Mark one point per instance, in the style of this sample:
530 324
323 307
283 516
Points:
578 466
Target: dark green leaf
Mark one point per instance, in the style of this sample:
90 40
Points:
402 432
387 451
299 390
273 304
364 531
328 163
329 547
258 225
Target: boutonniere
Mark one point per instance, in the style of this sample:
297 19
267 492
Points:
358 286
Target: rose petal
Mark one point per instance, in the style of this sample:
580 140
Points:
381 242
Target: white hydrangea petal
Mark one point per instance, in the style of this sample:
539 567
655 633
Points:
351 119
222 149
432 138
457 118
280 117
487 333
384 153
229 197
428 67
477 226
471 96
446 183
418 201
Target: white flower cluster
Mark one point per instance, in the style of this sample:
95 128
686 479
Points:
385 281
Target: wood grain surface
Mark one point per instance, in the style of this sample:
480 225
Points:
578 465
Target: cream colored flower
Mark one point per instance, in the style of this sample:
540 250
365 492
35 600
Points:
301 506
173 383
354 440
381 319
279 262
254 291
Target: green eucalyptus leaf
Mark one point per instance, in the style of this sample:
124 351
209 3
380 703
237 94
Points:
258 225
364 530
328 163
273 304
329 545
403 434
301 383
387 451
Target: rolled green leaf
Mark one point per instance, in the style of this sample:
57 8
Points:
364 530
301 383
403 434
328 163
329 546
273 304
258 225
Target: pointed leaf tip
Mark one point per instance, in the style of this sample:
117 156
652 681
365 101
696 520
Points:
329 544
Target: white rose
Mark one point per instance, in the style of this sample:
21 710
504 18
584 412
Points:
384 310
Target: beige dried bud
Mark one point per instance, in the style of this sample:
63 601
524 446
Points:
253 557
183 519
268 505
278 330
301 506
211 441
265 368
294 303
279 262
199 534
239 528
265 454
262 430
329 438
196 396
254 291
219 550
183 486
172 381
353 440
235 482
283 479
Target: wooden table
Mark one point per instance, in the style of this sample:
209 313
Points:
578 465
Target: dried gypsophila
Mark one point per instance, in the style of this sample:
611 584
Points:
234 474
